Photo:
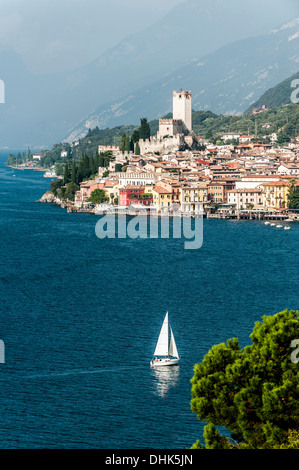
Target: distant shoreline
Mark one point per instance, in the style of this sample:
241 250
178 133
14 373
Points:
27 168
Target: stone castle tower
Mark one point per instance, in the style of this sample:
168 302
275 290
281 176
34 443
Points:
175 133
182 108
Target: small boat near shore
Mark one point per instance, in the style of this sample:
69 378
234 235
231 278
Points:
166 353
50 174
287 227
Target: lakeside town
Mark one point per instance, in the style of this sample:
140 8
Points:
176 171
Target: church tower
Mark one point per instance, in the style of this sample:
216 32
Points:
182 108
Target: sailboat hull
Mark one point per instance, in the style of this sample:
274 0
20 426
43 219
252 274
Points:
165 361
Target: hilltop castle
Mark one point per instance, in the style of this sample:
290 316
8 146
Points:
174 133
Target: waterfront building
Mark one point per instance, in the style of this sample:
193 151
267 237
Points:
193 197
111 189
128 194
276 194
217 189
86 188
162 198
245 198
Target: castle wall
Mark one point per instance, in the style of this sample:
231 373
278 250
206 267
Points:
156 144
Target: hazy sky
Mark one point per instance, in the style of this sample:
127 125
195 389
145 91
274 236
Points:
60 35
55 35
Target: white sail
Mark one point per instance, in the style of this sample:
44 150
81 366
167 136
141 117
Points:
172 346
162 344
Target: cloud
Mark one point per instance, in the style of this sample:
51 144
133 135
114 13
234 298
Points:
9 24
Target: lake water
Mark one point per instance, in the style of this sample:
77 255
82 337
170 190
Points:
80 318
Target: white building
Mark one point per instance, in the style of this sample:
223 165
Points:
255 181
242 198
136 178
245 138
230 136
37 156
288 169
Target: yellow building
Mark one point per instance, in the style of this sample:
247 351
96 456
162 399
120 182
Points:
111 189
162 198
193 197
276 194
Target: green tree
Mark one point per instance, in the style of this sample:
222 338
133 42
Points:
19 159
29 154
282 138
209 135
55 186
293 441
74 173
11 160
66 173
253 392
137 149
86 166
122 143
144 129
293 194
135 136
98 196
127 144
92 167
70 191
118 167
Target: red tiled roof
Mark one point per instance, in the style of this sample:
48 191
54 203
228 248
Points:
161 190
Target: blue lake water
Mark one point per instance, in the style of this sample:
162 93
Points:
80 318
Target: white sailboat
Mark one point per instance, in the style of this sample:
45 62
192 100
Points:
166 353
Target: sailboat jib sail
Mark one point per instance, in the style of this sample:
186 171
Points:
165 347
172 346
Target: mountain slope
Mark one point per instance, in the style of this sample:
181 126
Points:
226 81
50 105
276 96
